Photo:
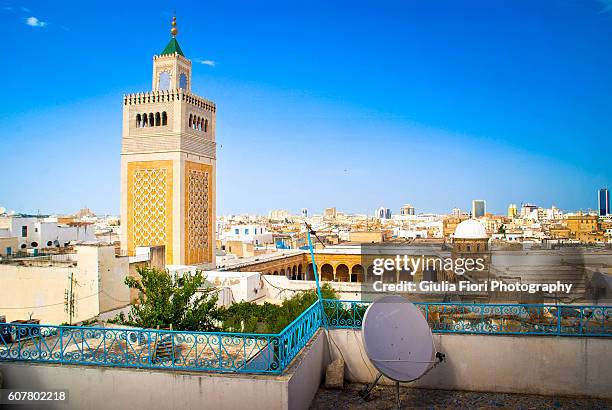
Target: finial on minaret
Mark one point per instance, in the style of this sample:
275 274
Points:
174 30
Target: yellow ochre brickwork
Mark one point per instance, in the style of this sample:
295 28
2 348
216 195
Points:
198 213
150 205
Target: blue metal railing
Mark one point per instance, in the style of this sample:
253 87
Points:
514 319
272 353
295 336
141 348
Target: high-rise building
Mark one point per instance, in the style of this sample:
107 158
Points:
456 212
512 211
329 213
479 208
603 200
168 164
407 210
383 213
529 211
278 214
304 213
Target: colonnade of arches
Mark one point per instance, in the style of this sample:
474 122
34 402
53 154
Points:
343 272
198 123
151 120
293 272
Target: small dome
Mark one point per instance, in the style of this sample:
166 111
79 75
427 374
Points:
471 229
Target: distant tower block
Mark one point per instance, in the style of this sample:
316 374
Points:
168 165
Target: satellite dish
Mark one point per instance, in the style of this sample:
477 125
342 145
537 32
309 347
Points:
398 341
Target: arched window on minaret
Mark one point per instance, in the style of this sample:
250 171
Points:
157 119
151 120
199 124
205 125
164 118
138 120
190 120
145 122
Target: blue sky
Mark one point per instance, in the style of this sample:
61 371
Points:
348 104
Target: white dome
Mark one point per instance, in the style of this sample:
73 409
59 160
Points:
471 229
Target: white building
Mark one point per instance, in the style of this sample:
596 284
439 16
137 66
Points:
255 234
33 232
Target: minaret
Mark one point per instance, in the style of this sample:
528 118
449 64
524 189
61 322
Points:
168 165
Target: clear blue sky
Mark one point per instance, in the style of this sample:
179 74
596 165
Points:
348 104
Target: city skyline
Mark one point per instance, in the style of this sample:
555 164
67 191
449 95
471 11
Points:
437 111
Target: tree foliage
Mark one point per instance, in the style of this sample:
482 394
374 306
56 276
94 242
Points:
250 317
166 302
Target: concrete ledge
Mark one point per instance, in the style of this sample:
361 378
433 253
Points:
95 387
549 365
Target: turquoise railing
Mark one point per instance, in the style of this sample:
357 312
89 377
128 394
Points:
273 353
514 319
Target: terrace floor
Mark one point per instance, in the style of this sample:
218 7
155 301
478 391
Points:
383 397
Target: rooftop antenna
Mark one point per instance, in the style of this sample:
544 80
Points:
309 230
398 342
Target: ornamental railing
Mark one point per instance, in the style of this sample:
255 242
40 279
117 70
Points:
496 319
160 349
141 348
273 353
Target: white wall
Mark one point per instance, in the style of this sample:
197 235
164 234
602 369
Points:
40 290
45 230
244 286
95 387
573 366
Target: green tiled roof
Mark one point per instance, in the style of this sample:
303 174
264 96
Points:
173 47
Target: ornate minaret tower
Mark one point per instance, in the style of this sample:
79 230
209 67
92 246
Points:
168 165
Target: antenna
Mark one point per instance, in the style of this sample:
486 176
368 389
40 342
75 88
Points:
398 342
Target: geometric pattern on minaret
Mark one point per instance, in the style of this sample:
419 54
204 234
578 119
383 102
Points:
168 164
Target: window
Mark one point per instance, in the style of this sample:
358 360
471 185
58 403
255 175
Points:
183 81
157 119
190 120
164 81
24 231
34 244
49 243
138 120
237 231
151 120
205 125
164 118
246 231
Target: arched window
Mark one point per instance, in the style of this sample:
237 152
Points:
190 121
157 119
205 125
164 81
151 120
164 118
145 121
183 81
199 124
138 119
